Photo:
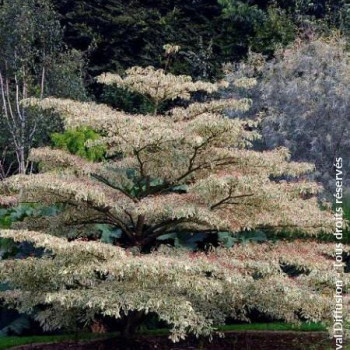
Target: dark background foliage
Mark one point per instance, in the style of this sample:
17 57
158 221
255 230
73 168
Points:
119 34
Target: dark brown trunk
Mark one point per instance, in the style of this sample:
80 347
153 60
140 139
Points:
133 321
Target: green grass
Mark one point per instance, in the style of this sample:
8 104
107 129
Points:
276 326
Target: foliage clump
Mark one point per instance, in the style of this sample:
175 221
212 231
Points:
74 141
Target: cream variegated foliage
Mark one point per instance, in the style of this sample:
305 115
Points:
228 187
191 291
189 170
157 84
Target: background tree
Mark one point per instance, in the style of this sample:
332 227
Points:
263 28
324 13
186 172
119 34
31 61
303 93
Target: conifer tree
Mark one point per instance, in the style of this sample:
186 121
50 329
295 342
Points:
188 171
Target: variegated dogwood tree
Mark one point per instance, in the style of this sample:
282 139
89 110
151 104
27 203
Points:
189 171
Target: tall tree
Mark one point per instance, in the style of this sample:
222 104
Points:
185 172
31 50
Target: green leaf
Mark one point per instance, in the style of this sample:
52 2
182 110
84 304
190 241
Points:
109 234
253 236
185 240
49 211
17 326
156 182
20 212
227 239
167 236
180 188
7 245
5 220
74 141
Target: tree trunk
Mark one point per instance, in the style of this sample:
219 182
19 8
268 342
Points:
133 322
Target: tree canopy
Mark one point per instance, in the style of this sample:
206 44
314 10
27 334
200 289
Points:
189 171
